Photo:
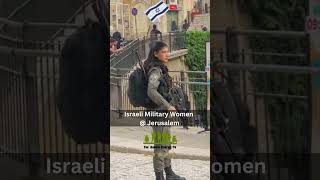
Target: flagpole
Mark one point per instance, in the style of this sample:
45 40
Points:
135 19
150 23
157 21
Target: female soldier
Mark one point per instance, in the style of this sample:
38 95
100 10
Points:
159 83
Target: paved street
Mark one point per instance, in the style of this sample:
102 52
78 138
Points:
126 166
191 144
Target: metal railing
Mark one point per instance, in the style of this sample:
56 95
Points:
21 25
29 118
15 11
16 24
127 58
275 85
174 40
255 32
82 9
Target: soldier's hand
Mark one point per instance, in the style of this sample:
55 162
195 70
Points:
171 108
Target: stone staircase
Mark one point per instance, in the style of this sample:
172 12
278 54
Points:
199 20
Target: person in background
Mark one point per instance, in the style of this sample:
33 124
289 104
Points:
174 26
117 36
204 28
185 26
113 46
154 33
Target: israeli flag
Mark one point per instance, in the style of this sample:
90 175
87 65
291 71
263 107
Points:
156 11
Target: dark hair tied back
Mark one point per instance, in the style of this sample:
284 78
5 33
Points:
155 47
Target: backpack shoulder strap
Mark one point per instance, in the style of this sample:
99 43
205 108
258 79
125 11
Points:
154 68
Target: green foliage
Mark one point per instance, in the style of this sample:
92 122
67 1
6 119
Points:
196 59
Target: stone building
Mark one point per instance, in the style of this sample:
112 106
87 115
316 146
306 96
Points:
131 27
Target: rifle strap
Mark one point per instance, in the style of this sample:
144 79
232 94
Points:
141 65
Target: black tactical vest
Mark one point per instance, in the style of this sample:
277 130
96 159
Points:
165 80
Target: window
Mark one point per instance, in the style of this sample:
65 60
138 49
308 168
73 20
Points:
171 1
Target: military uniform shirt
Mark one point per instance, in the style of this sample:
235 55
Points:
153 84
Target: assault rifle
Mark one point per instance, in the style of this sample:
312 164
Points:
179 100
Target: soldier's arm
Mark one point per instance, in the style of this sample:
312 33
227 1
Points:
154 95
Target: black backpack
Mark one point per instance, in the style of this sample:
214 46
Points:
138 86
83 85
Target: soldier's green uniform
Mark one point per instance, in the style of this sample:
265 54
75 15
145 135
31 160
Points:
159 83
159 160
